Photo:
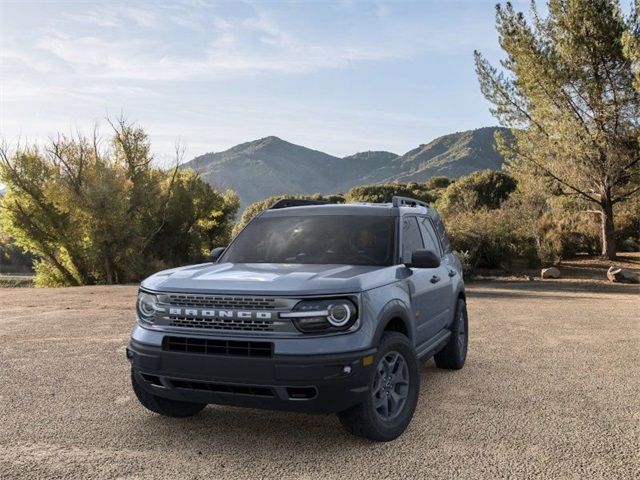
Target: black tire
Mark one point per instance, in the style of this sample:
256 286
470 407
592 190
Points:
164 406
454 354
365 420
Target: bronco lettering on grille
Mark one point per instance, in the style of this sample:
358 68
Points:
209 313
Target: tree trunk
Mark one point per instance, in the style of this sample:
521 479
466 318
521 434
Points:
608 230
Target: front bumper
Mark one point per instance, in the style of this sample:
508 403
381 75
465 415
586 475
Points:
304 383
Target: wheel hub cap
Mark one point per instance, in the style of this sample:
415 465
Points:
390 385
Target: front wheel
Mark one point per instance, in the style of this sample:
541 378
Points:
393 392
454 354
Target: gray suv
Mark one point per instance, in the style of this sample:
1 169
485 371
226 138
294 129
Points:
317 308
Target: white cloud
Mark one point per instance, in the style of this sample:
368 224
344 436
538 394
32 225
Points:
177 68
232 46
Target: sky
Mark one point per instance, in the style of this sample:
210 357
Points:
340 77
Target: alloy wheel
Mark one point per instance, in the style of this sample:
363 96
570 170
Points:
391 385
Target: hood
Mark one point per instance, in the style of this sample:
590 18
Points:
271 279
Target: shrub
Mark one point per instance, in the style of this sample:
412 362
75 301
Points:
383 193
94 215
484 189
487 235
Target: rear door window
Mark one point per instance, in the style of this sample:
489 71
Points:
442 233
411 238
429 235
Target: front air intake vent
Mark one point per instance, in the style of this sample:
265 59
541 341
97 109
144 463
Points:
217 347
252 390
222 324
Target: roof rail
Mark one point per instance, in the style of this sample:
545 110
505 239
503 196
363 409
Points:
407 202
295 202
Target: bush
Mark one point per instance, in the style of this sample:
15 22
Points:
487 236
100 216
383 193
435 183
484 189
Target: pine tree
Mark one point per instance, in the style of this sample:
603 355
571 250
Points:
567 91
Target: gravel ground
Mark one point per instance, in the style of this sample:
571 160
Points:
550 390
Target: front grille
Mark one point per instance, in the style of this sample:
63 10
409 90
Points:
218 347
221 302
246 325
253 390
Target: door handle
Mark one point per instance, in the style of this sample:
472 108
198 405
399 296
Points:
435 279
452 273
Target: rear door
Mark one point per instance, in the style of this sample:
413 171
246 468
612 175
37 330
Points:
444 286
425 289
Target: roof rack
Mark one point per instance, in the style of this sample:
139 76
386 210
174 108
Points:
295 202
407 202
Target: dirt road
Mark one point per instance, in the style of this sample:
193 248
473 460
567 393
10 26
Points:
550 390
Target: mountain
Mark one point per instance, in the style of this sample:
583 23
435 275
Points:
452 156
358 163
271 166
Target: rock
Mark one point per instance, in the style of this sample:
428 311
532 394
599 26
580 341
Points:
528 277
622 275
551 272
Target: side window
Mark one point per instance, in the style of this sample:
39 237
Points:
442 233
429 236
411 238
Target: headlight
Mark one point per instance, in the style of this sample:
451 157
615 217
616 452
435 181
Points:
146 306
323 315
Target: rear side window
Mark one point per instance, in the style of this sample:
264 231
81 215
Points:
442 233
429 236
411 238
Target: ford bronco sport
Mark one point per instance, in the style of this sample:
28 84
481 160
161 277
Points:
313 307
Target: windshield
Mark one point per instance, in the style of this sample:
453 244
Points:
332 239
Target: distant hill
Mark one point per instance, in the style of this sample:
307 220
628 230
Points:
271 166
355 165
452 156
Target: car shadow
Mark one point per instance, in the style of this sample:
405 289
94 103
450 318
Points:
265 430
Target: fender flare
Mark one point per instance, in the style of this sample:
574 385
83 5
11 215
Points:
394 309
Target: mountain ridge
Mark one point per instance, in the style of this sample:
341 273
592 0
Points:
270 165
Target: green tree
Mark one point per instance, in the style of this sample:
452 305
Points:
100 215
566 88
631 41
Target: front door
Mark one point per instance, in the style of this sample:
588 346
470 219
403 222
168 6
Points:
428 287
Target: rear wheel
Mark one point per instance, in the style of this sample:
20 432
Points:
393 392
454 354
164 406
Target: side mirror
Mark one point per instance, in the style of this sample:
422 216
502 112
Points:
216 253
424 259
